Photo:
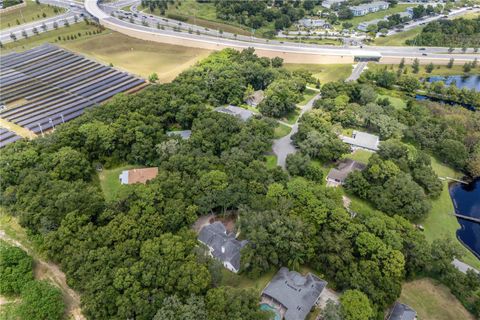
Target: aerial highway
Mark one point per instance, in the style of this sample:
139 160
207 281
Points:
291 52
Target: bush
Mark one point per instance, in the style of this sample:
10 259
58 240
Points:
15 270
40 301
177 17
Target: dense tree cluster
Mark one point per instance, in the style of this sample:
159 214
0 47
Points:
454 33
15 269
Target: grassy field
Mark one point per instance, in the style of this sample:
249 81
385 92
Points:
32 12
399 38
271 161
439 70
324 72
109 181
433 301
307 96
378 15
440 222
359 155
397 103
52 37
202 14
281 131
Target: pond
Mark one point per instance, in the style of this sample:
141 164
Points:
267 307
466 200
469 82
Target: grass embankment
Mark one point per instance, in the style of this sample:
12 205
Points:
30 13
433 301
439 70
122 51
202 14
323 72
398 39
110 182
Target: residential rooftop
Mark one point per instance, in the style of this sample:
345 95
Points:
362 140
294 292
345 167
223 247
243 114
138 175
184 134
401 311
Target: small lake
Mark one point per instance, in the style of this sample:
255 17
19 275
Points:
469 82
466 200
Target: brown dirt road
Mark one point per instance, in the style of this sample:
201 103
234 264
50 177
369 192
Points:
47 270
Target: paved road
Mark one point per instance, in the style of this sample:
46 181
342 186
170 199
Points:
357 71
46 24
463 267
284 146
221 40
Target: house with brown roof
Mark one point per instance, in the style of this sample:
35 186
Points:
138 175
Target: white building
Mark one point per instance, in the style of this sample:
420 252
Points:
329 3
313 23
362 140
367 8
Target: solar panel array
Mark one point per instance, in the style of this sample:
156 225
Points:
7 137
47 85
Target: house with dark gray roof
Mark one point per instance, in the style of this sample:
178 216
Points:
184 134
401 311
255 98
337 175
222 246
241 113
362 140
292 294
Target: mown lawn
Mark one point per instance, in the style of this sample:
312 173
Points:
32 12
378 15
433 301
398 39
307 96
359 155
271 161
110 182
242 281
324 72
281 131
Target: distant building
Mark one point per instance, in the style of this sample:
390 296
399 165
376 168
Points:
409 11
362 140
367 8
329 3
184 134
401 311
363 26
314 23
138 175
293 294
255 98
241 113
337 175
223 247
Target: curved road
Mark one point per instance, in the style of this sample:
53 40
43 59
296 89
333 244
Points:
273 46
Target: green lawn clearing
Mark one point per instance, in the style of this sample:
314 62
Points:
242 281
281 130
441 222
377 15
307 96
110 182
359 155
323 72
398 39
433 301
271 161
397 103
31 12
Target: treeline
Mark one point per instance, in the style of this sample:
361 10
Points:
39 299
449 33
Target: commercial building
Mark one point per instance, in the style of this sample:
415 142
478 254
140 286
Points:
367 8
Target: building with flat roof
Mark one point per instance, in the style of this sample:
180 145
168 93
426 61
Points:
362 140
337 175
222 246
367 8
293 294
401 311
329 3
363 26
241 113
313 23
138 175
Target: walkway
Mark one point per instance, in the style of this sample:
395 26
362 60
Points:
357 71
284 146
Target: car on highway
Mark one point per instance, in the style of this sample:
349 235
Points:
424 54
422 49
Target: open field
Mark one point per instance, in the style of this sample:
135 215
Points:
202 14
399 38
126 53
324 72
440 222
32 12
433 301
109 181
378 15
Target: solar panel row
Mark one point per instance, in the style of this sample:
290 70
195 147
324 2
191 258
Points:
7 137
48 85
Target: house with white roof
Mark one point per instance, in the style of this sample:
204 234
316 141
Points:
241 113
367 8
362 140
